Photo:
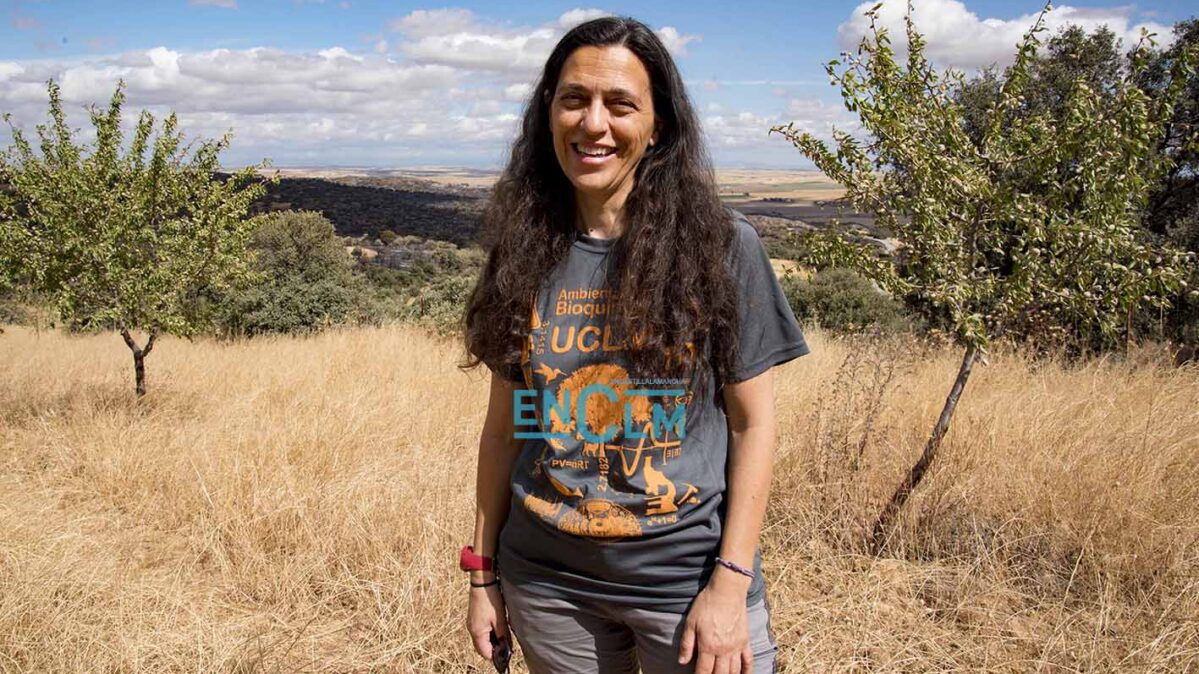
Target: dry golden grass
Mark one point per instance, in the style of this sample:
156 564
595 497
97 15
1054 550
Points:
803 186
296 505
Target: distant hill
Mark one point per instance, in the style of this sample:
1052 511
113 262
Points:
367 205
448 205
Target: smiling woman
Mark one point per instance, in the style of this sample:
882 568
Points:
617 525
603 120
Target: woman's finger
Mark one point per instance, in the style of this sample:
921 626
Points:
723 664
706 663
747 659
486 615
482 643
687 645
501 614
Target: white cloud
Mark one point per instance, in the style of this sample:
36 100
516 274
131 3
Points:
738 129
483 51
957 37
267 96
338 53
227 4
427 22
442 86
819 118
576 16
456 37
517 93
675 42
731 129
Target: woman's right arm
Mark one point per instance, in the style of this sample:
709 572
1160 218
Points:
498 450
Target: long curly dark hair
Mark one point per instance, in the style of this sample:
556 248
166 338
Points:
672 289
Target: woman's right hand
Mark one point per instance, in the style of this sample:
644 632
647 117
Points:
485 614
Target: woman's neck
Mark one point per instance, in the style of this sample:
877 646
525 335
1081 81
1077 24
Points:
601 216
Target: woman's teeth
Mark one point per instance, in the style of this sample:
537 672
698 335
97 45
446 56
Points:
594 152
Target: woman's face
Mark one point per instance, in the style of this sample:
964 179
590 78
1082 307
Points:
602 118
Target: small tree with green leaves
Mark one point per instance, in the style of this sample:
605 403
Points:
125 239
1031 228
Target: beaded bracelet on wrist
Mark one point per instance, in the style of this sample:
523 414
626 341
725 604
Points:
735 567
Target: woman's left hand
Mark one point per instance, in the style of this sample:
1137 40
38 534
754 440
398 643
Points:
717 626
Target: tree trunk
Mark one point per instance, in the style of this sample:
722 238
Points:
139 360
883 523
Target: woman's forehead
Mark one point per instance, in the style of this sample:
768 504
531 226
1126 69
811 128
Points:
613 69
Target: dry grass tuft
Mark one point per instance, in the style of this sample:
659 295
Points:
296 504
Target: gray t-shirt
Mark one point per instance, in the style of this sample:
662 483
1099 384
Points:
628 504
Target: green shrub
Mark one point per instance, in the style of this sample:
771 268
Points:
840 300
431 289
305 281
439 304
789 246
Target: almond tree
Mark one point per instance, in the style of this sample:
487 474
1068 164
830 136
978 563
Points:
125 239
1031 229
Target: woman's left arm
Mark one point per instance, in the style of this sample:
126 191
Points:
717 624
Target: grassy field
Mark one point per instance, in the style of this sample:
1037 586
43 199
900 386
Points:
803 186
296 505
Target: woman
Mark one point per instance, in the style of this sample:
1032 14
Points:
630 321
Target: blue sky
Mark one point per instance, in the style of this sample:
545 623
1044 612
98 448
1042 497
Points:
362 83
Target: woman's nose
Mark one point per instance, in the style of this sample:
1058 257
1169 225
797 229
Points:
595 120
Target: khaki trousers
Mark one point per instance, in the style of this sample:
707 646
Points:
557 636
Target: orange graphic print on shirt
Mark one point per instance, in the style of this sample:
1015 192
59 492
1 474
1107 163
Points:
604 471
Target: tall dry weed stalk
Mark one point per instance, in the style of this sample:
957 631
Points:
849 431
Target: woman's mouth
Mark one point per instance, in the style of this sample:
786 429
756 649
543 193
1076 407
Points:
592 154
